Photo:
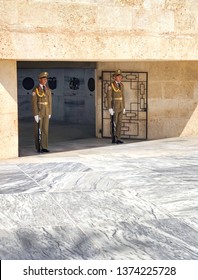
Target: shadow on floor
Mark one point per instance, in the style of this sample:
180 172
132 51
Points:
62 137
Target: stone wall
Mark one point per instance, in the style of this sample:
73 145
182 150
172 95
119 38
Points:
172 96
99 30
8 109
157 36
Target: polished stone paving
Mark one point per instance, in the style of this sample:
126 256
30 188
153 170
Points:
90 199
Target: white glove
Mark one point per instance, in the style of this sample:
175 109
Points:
49 116
36 118
124 111
111 112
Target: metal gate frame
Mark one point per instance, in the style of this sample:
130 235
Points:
135 120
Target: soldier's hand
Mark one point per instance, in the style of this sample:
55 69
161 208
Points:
36 118
49 116
124 111
111 112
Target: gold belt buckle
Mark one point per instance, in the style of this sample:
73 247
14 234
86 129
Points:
43 103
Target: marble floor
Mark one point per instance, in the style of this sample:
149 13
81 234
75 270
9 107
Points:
90 199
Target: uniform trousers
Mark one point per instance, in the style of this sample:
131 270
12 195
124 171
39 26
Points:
118 121
44 128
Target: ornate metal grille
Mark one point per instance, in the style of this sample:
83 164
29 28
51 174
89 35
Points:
134 124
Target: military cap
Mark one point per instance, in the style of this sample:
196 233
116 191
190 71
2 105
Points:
43 75
117 73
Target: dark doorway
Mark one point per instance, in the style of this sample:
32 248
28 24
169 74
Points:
73 91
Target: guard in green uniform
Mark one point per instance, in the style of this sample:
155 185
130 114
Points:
116 103
42 111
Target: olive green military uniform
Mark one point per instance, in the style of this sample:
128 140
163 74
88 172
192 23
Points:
115 100
42 106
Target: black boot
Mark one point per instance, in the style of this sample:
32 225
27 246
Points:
119 142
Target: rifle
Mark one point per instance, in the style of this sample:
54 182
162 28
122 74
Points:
113 129
39 137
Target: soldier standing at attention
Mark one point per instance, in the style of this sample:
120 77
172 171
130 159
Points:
42 111
116 103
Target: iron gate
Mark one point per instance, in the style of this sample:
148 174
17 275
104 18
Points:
134 124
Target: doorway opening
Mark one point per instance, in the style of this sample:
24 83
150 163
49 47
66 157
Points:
73 102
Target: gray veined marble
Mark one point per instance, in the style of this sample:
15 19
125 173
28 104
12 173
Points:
135 201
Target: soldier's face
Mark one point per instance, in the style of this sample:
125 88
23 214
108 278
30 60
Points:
118 78
43 81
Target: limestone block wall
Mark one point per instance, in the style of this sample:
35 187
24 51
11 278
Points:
172 96
99 30
173 99
8 110
147 35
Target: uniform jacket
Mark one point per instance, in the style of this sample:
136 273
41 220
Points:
41 102
115 97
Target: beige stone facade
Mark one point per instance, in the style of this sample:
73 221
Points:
8 109
154 36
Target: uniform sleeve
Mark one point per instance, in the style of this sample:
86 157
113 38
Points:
109 97
123 96
35 110
50 103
